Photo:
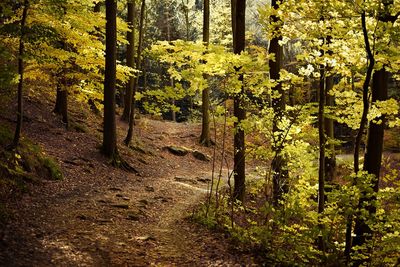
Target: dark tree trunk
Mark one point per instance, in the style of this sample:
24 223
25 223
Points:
322 143
373 155
233 14
372 162
330 161
239 167
61 106
279 162
374 146
363 122
130 51
205 108
168 17
109 131
128 138
21 54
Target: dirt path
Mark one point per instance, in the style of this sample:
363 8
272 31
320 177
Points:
102 216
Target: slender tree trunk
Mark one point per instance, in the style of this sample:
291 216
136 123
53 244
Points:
173 113
239 167
330 161
109 132
21 54
360 133
205 108
61 106
233 13
322 142
130 51
374 146
186 13
136 80
279 162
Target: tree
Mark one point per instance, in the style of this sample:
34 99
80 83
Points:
205 107
136 79
239 168
279 162
330 159
61 106
21 54
109 129
130 51
374 145
321 133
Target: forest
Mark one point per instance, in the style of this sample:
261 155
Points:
199 133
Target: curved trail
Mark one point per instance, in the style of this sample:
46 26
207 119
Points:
102 216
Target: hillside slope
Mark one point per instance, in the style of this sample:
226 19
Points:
103 216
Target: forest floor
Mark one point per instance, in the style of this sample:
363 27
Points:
99 215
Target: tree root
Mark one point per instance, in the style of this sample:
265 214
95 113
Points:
118 162
207 143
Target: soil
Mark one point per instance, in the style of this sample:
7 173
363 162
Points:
99 215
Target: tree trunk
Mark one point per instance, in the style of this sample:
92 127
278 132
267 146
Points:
21 54
363 122
233 13
205 108
330 161
186 13
239 167
173 113
279 162
109 132
128 138
372 163
374 146
130 51
61 106
322 142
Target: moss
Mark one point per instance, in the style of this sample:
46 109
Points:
34 160
53 168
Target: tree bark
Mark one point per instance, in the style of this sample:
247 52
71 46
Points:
61 106
322 144
21 54
363 122
205 107
372 162
109 132
130 51
279 162
330 161
186 13
128 138
168 17
239 167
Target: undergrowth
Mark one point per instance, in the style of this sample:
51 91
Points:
287 235
24 165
